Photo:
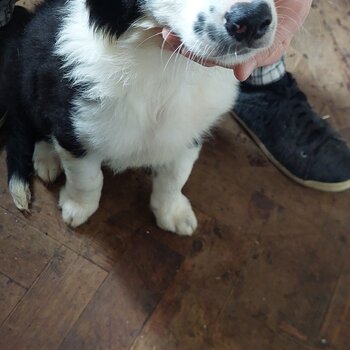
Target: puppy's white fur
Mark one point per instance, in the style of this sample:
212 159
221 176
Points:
46 162
144 107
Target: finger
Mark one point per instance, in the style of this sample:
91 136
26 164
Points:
243 71
267 57
273 54
175 42
171 38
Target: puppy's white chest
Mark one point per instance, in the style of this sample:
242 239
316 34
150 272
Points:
157 114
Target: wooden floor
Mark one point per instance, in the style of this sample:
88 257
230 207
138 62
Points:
268 269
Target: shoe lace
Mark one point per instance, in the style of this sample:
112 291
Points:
314 132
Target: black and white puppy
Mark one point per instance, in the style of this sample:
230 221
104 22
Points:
88 84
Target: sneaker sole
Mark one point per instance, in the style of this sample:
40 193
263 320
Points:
316 185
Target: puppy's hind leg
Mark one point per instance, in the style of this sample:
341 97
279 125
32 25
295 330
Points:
171 208
19 147
47 164
80 196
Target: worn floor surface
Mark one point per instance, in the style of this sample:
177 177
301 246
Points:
268 269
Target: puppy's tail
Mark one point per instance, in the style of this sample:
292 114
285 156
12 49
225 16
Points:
20 148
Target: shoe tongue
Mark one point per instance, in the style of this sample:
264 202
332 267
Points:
287 83
282 91
289 87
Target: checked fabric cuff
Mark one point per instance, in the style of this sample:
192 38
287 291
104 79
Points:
269 74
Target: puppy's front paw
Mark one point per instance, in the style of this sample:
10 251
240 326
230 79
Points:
175 215
76 211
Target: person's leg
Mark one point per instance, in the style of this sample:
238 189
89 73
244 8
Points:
277 115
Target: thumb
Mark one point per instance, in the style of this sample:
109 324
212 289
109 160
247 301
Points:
265 58
243 71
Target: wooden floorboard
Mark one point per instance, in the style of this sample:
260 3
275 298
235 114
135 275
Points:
24 252
127 298
10 295
268 269
52 305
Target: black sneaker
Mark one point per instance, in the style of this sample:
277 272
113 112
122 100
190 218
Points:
298 142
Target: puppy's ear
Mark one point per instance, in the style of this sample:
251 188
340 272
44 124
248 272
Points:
113 17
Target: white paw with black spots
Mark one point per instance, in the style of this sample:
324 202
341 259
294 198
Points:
176 216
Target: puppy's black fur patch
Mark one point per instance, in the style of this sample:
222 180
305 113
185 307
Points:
113 17
33 88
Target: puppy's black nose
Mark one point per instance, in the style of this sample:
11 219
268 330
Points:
248 21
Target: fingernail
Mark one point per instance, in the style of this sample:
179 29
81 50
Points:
165 33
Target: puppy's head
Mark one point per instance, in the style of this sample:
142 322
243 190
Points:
226 31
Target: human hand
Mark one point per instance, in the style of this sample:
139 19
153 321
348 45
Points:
291 16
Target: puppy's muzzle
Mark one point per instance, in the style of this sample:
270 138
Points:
247 22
